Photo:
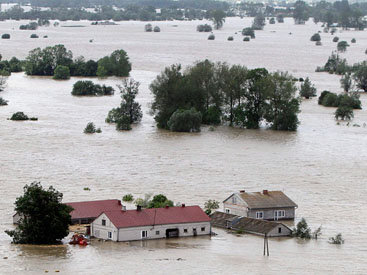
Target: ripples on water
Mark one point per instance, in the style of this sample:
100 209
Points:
322 167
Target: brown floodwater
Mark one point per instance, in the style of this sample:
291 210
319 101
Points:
322 166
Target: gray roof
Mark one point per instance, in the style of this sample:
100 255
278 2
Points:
272 199
246 224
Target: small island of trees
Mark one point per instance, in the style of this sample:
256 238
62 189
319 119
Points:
88 88
213 93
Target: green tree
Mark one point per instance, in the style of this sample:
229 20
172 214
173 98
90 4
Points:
61 72
129 111
211 205
159 201
283 105
302 230
259 22
3 102
342 46
307 89
346 82
128 198
360 77
300 12
90 128
44 218
338 239
185 121
218 18
248 32
344 113
316 37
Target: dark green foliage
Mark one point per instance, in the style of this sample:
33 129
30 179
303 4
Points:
335 64
128 198
19 116
329 99
301 12
360 76
204 28
335 39
302 230
30 26
157 29
280 18
322 96
338 239
230 38
185 121
3 102
316 37
248 32
45 219
342 46
218 18
90 128
318 43
116 64
272 21
307 89
246 39
61 72
159 201
259 22
129 111
346 82
34 35
15 65
344 113
211 37
88 88
5 36
353 40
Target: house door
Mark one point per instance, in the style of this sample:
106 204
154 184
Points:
195 233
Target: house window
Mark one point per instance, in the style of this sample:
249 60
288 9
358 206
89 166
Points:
202 229
234 200
110 235
144 234
260 215
279 230
104 222
227 211
279 214
185 230
157 232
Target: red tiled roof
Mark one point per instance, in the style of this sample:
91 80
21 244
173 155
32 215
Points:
156 216
92 209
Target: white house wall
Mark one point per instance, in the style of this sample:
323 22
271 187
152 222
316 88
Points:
239 208
285 231
100 231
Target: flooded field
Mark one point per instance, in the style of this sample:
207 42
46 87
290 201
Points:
322 166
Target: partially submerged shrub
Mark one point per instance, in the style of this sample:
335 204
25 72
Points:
33 35
335 39
302 230
344 113
5 36
128 198
338 239
20 116
353 40
272 20
185 121
316 37
318 43
157 29
246 39
307 89
211 37
342 46
88 88
204 28
230 38
148 28
61 72
248 32
3 102
90 128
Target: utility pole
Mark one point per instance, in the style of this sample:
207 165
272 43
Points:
266 244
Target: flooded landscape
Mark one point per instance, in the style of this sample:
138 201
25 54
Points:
322 166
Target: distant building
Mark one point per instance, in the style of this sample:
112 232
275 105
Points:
249 225
266 205
155 223
86 211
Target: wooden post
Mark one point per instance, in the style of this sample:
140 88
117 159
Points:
266 245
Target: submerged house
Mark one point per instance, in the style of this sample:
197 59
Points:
86 211
265 205
250 225
154 223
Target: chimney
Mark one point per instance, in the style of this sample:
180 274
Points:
242 191
118 202
138 207
123 207
167 207
265 192
183 205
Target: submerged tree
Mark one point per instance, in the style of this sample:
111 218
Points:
300 12
44 218
129 111
346 82
307 89
344 113
218 18
211 205
302 230
360 76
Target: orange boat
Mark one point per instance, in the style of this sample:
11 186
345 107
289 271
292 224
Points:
78 239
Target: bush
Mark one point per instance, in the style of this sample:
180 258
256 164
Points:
344 113
353 40
204 28
61 72
185 121
248 32
90 128
272 20
307 89
318 43
230 38
280 18
31 26
157 29
335 39
128 198
246 39
316 37
302 230
3 102
33 35
338 239
211 37
329 99
88 88
19 116
148 28
5 36
342 46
